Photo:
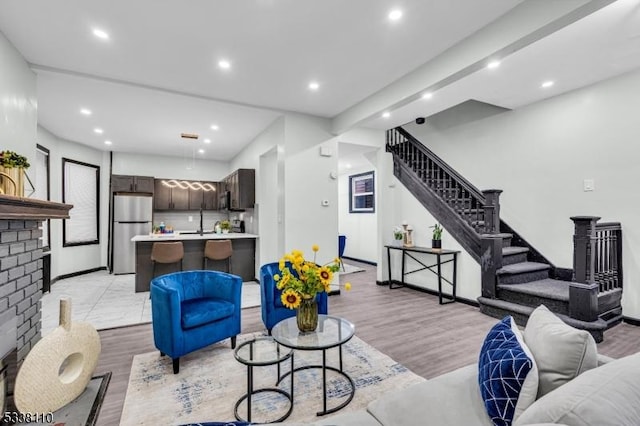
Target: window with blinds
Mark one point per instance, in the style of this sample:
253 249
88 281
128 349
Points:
80 187
362 193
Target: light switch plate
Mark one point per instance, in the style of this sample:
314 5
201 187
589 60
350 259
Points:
589 185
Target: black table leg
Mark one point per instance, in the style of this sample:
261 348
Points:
249 390
324 380
404 261
389 266
439 278
455 274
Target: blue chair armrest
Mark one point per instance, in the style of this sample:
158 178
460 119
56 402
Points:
166 314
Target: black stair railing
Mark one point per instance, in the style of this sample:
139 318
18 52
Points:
597 268
481 210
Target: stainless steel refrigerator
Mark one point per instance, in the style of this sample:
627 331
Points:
132 215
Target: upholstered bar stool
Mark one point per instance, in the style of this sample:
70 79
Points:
218 250
166 253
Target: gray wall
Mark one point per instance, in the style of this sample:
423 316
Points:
541 154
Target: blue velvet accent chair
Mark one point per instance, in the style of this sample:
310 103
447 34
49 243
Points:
273 311
194 309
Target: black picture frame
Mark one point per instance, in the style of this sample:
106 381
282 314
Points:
362 176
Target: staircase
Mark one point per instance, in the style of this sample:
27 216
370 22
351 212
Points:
516 278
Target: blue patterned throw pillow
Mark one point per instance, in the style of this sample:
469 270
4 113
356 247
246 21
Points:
507 375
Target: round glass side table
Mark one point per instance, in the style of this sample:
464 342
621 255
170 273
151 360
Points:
260 352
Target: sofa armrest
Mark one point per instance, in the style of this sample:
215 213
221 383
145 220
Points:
603 359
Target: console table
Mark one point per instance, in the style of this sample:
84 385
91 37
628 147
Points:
436 268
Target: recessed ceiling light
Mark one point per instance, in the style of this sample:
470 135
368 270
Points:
386 114
85 111
547 84
214 127
207 141
395 14
98 131
427 95
314 85
201 151
100 34
108 142
493 64
224 64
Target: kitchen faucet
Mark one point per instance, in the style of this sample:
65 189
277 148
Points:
200 230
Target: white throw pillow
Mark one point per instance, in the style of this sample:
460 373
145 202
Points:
604 396
561 351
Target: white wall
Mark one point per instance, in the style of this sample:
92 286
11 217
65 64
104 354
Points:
18 102
358 227
66 260
159 166
304 180
540 155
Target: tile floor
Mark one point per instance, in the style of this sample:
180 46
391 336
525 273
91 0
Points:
107 301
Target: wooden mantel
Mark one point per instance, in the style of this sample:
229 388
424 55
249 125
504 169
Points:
18 208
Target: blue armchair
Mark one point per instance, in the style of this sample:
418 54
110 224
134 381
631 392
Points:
273 311
194 309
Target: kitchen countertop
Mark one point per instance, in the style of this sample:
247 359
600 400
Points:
183 237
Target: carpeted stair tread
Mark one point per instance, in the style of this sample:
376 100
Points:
501 235
506 251
522 267
598 325
547 288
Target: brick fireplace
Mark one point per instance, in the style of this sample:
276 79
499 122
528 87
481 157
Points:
21 280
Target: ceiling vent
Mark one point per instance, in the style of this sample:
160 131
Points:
188 136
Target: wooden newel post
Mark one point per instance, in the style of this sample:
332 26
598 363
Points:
490 262
492 210
583 291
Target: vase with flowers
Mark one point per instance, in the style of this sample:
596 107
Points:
12 166
300 280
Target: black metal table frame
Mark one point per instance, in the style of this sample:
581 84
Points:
251 391
324 368
438 272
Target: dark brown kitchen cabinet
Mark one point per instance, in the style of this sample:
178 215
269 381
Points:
177 198
123 183
207 200
241 185
167 198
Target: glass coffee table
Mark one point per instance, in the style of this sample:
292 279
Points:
259 352
331 332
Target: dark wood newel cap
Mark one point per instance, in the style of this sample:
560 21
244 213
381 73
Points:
18 208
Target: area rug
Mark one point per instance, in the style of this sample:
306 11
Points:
211 381
350 269
84 410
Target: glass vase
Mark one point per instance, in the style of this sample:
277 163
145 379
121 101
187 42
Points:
307 315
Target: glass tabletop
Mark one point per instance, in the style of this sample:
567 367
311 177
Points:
331 332
261 351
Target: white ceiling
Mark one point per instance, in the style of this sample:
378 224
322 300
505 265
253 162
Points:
157 75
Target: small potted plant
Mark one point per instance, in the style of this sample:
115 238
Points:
225 225
436 240
398 235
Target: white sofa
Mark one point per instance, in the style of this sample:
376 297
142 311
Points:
577 387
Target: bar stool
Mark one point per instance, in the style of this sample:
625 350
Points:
166 253
218 250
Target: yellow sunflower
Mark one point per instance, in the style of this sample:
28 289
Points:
325 275
290 299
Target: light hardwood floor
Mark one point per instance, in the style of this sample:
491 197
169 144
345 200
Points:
408 325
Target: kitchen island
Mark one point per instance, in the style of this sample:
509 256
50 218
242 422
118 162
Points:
242 260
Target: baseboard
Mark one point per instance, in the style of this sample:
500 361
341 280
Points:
75 274
368 262
632 321
463 300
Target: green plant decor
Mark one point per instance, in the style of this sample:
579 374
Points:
437 232
225 224
10 159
